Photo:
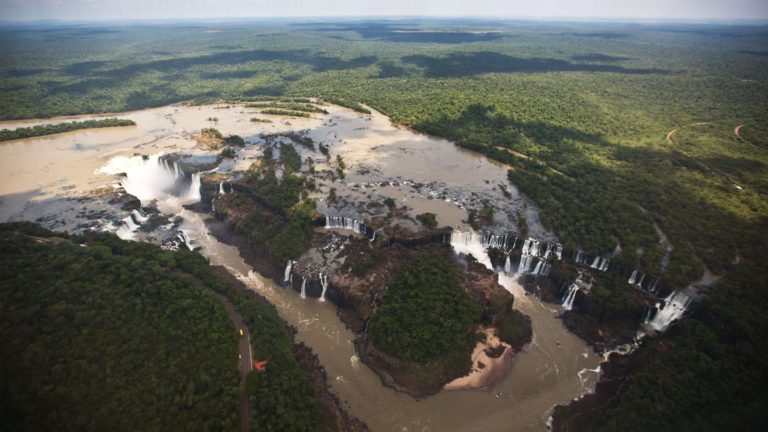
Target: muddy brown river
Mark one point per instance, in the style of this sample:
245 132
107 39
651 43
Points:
38 175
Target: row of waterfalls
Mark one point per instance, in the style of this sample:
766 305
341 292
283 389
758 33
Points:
288 279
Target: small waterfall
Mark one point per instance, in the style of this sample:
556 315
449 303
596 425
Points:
287 276
186 239
650 312
559 252
193 194
632 278
514 245
341 222
674 307
324 283
600 264
508 266
640 282
654 288
127 228
304 288
221 189
526 262
495 241
579 257
570 296
139 217
537 269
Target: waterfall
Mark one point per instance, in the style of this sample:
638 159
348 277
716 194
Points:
514 245
152 177
654 286
193 194
559 252
570 296
640 282
537 269
304 288
324 283
127 228
526 261
186 239
221 189
470 243
495 241
139 217
341 222
508 266
579 257
287 276
600 264
650 312
674 307
632 278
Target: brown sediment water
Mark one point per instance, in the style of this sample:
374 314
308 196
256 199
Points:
545 373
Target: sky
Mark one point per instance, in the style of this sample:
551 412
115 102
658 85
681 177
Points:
683 10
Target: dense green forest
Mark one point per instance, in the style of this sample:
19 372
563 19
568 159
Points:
40 130
124 327
269 211
425 315
620 133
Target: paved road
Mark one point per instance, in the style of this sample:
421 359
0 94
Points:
246 362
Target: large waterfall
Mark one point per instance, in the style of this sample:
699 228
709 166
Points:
674 307
153 177
570 296
342 222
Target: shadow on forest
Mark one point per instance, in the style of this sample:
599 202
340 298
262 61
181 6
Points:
467 64
596 57
319 62
389 33
502 130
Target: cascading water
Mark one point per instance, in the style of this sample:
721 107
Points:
324 283
559 252
508 266
674 307
184 237
152 177
287 276
127 228
570 296
221 189
304 288
632 277
526 262
341 222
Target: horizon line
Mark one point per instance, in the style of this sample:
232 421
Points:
488 18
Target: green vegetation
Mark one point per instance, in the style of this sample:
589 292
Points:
291 106
260 120
211 133
41 130
269 212
228 153
290 158
429 220
149 328
355 106
235 140
425 315
285 112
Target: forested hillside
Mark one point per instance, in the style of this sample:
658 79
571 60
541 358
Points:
123 327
